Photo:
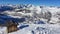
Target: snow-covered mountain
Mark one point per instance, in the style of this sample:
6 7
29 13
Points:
40 19
44 13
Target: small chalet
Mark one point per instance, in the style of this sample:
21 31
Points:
11 26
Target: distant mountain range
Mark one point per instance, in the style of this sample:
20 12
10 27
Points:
16 12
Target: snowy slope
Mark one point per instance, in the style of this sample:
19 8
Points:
43 28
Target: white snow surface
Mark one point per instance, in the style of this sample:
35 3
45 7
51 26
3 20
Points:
49 28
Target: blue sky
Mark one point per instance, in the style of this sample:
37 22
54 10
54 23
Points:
35 2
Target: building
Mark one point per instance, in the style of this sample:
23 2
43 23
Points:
11 26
